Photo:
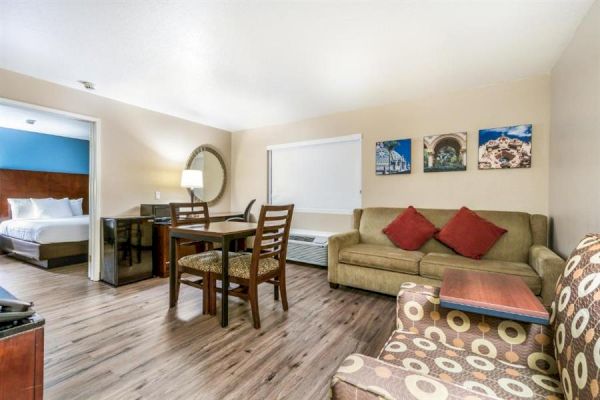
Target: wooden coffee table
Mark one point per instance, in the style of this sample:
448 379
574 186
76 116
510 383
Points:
487 293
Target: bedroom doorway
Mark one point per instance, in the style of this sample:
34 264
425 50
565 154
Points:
51 156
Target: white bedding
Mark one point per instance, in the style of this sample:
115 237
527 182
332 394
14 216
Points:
46 231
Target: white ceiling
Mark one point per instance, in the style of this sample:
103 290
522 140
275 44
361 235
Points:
243 64
15 117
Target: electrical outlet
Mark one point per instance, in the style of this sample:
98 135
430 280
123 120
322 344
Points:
157 195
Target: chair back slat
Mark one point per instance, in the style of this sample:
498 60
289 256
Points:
271 245
269 254
189 214
271 238
273 228
279 208
276 218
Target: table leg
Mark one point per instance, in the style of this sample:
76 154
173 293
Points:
172 273
225 289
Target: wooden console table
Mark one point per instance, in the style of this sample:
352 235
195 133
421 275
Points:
487 293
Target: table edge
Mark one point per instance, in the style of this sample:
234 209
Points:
505 314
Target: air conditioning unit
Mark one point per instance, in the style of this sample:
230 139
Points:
308 247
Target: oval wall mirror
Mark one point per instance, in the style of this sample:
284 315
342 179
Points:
208 160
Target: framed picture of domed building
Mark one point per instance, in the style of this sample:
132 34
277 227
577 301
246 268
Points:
506 147
392 157
443 153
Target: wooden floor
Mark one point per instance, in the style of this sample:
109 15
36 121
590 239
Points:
124 343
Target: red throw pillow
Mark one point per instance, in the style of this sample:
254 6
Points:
410 230
469 235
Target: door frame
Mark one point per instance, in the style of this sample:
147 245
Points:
94 189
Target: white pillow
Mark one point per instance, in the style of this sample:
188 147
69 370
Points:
52 208
76 206
21 208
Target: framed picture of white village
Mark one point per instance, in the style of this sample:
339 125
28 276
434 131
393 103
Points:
506 147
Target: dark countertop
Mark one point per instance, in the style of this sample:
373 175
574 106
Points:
131 217
27 324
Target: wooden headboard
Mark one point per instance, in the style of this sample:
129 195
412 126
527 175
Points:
25 184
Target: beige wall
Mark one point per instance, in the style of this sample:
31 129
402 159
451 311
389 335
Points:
142 151
526 101
575 137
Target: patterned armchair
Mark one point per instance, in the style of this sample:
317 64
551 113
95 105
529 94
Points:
439 353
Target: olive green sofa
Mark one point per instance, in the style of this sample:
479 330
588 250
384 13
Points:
365 258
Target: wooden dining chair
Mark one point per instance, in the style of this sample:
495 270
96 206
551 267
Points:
191 214
266 263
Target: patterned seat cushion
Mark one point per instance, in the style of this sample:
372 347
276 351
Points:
207 261
239 263
365 378
419 312
576 318
489 376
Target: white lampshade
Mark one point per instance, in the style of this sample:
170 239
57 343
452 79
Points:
192 178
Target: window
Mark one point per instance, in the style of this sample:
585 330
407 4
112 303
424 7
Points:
322 176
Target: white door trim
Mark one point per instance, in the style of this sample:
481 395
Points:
95 203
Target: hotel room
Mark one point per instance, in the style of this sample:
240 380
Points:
37 224
299 199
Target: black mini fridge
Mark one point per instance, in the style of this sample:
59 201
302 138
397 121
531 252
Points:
127 250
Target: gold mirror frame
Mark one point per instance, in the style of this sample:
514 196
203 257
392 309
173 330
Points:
215 152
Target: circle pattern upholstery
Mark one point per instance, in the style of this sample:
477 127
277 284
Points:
506 340
438 353
575 319
486 376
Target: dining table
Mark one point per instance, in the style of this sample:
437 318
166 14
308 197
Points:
223 232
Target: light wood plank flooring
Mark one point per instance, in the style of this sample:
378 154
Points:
124 343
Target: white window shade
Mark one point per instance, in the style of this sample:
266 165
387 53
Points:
322 176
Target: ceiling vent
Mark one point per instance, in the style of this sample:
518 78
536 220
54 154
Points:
88 85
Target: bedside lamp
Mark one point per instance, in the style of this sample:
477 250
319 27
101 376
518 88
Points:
192 179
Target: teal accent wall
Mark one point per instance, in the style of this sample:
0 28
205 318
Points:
39 152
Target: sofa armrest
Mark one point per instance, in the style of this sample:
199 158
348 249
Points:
365 378
418 311
548 266
335 244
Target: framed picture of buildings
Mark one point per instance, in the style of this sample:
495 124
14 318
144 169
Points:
393 157
447 152
506 147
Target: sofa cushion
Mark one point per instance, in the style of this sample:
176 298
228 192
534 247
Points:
470 235
512 246
472 371
410 230
575 318
434 264
382 257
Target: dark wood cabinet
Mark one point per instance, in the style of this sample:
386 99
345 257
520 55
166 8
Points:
22 357
22 366
160 255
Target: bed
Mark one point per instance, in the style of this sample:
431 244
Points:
49 237
46 243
